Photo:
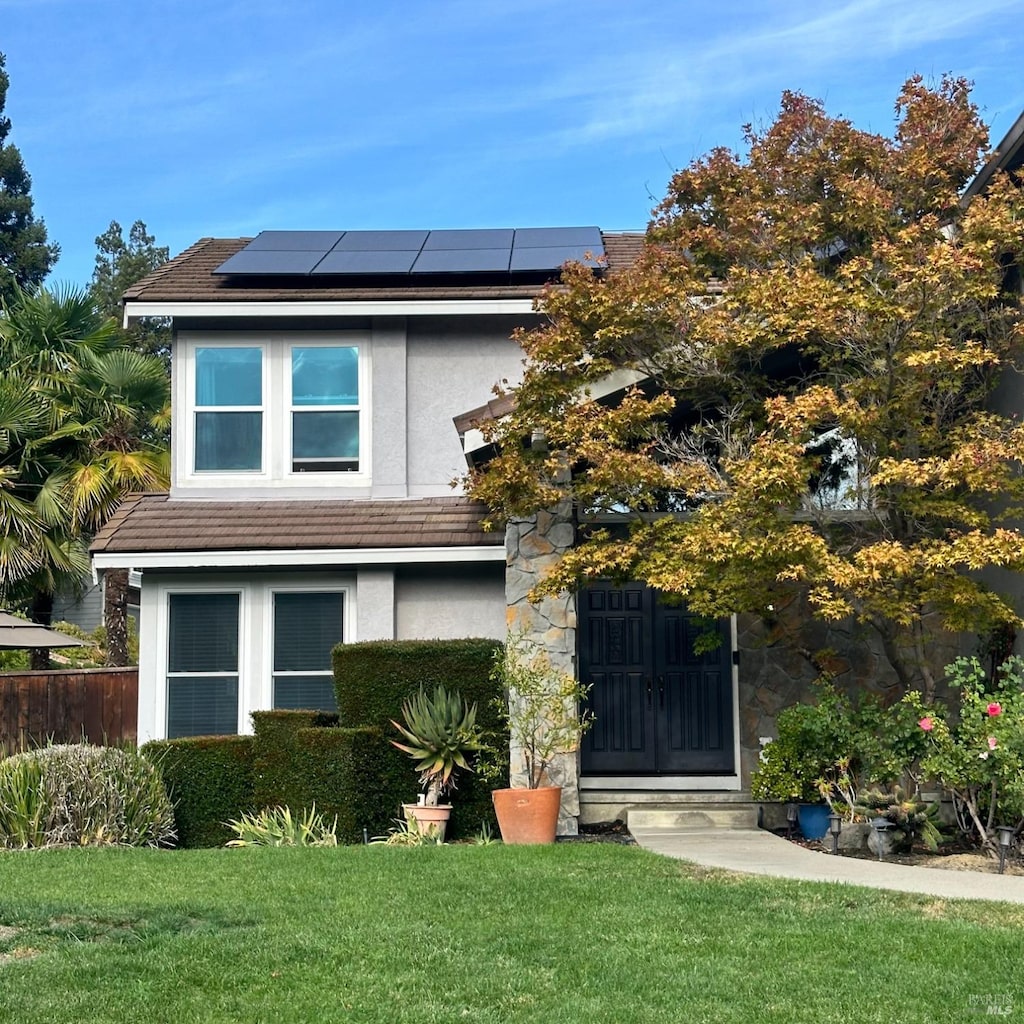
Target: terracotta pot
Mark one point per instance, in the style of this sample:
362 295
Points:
427 818
527 816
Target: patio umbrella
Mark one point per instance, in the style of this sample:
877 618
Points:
17 633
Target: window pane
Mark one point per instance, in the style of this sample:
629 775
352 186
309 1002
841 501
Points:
229 440
325 376
202 706
203 633
325 436
307 627
314 693
229 376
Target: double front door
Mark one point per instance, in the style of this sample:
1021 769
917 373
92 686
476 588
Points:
659 707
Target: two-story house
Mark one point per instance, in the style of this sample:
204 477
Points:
315 379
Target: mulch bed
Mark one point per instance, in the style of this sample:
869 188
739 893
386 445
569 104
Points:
601 832
955 853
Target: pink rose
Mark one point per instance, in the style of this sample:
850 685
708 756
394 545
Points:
995 708
927 724
992 743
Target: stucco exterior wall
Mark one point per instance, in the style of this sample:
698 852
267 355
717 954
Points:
433 602
452 366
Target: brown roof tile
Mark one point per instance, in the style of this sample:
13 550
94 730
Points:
189 278
157 522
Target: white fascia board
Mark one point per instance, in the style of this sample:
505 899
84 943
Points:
275 559
394 307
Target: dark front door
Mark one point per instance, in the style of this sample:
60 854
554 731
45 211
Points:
659 707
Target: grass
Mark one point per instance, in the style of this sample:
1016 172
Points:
592 933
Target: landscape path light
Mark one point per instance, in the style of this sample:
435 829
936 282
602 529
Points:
791 816
835 826
881 827
1006 833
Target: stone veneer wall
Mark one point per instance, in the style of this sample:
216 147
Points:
772 674
532 547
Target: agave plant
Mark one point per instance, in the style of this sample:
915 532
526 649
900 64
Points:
441 735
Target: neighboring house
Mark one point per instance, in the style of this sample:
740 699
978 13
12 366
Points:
315 377
86 609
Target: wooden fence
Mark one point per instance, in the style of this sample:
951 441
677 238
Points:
66 706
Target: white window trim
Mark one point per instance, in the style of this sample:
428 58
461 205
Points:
363 387
192 408
347 591
255 641
276 454
163 640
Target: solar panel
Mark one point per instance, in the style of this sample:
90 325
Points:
373 241
367 261
551 257
308 241
537 237
270 261
466 251
473 238
468 261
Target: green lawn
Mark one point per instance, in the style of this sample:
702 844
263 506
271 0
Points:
590 933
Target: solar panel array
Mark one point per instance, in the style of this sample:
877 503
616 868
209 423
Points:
372 253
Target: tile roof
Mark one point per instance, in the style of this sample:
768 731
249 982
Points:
189 278
157 522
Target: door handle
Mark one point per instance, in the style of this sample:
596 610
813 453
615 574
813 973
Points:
661 692
649 691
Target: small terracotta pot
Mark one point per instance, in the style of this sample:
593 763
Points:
429 817
527 816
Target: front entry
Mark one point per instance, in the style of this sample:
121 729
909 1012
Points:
659 708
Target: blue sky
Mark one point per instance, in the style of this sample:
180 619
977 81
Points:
233 116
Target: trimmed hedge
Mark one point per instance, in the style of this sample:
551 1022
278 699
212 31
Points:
277 776
372 680
209 780
351 773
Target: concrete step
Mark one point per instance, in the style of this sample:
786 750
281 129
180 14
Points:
693 816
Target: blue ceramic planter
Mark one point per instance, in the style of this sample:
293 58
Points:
813 820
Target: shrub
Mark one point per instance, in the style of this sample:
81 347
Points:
979 756
372 680
275 826
209 780
278 778
354 775
814 746
81 795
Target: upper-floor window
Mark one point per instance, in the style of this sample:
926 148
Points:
325 408
270 409
229 409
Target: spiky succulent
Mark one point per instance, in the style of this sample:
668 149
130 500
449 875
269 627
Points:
441 735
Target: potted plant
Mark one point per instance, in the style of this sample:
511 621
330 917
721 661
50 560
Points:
441 735
810 763
541 708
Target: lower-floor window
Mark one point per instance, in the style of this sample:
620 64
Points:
202 664
307 627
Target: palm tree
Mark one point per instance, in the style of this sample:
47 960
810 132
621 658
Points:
88 430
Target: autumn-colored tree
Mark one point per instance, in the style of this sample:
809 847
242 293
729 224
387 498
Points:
805 352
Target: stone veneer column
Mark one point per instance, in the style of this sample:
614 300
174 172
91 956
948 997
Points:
532 547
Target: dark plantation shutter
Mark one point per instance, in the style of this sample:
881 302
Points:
203 633
202 639
306 629
202 706
305 692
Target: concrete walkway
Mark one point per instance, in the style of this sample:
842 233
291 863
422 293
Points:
762 853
